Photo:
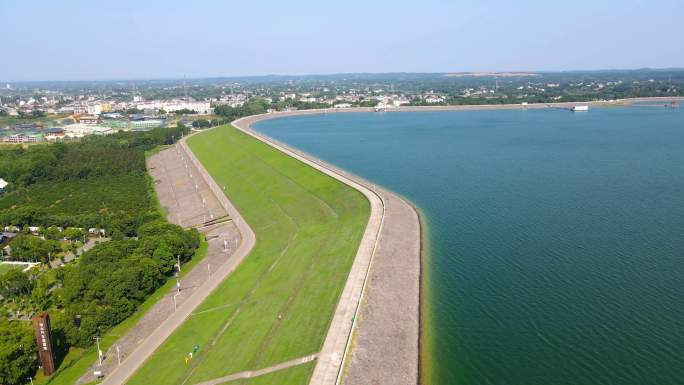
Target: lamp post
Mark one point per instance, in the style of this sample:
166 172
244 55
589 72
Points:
175 304
99 352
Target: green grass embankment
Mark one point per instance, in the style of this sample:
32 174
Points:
279 302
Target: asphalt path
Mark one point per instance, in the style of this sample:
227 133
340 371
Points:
155 339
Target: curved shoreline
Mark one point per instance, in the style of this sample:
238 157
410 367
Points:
367 285
467 107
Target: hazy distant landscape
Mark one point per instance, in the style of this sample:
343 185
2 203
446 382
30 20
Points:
341 193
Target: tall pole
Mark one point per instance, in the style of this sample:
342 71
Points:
178 258
99 352
118 354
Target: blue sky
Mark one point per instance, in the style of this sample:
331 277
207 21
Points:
123 39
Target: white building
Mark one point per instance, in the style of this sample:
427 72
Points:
433 99
203 108
3 184
102 130
94 109
80 130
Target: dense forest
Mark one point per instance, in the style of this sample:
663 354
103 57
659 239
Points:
98 182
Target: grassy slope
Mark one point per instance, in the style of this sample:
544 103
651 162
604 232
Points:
308 228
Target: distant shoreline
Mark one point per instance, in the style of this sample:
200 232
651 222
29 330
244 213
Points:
398 255
478 107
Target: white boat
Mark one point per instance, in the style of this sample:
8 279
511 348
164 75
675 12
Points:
580 108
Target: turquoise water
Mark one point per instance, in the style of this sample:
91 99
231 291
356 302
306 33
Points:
557 238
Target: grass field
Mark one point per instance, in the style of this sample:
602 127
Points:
279 303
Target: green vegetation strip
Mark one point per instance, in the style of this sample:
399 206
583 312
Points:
279 303
79 360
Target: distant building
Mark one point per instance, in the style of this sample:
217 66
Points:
88 119
203 108
432 99
54 133
102 130
94 109
112 115
3 185
144 125
6 238
22 138
27 126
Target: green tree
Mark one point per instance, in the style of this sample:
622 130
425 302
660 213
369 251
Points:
17 352
14 283
73 234
29 248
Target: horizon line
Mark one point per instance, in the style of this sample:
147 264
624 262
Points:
340 74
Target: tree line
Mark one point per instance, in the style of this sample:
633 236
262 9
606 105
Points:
98 181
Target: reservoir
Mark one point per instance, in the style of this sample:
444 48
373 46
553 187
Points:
556 239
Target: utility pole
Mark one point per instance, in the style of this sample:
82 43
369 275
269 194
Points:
118 354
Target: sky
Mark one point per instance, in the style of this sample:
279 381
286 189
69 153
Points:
150 39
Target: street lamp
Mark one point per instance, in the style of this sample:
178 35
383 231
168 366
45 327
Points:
175 304
99 352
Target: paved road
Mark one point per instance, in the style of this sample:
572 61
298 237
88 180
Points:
337 342
187 198
147 347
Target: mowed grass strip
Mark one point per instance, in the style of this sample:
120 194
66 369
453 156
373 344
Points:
279 303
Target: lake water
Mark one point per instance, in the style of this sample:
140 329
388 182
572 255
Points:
556 238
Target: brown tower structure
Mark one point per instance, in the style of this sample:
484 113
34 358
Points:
41 326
